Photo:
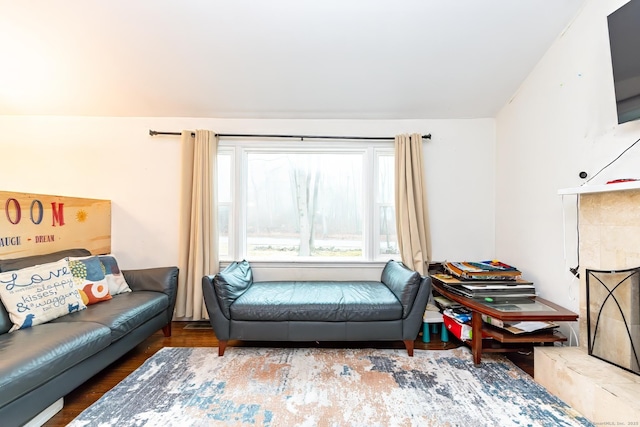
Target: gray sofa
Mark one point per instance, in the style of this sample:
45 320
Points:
390 309
41 364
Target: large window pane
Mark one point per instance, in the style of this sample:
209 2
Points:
224 177
224 203
387 237
223 231
386 167
304 205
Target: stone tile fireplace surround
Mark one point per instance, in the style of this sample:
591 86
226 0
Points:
609 230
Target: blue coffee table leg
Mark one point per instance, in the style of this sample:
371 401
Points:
444 334
426 333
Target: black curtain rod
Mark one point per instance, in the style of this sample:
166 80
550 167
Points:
301 137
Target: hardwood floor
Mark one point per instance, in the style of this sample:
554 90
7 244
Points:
199 334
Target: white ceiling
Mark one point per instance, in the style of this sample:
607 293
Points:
377 59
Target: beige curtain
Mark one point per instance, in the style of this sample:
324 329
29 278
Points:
412 220
198 252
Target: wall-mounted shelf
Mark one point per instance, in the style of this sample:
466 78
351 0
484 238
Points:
586 189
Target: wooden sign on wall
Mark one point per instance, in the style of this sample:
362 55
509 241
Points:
34 224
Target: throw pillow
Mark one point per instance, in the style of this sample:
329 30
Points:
232 282
115 280
37 294
88 276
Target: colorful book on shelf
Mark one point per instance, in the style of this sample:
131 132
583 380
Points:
482 270
492 265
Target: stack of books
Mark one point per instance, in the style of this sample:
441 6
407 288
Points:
484 279
482 270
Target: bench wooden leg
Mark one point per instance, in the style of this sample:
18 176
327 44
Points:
166 330
222 345
409 345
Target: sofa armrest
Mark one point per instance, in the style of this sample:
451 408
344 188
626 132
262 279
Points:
160 279
403 282
413 322
219 322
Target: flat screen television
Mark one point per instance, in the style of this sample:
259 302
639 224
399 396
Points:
624 40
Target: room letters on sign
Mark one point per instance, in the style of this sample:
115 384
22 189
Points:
34 224
13 211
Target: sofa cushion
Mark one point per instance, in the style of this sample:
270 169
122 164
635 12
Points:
88 275
317 301
30 261
403 282
232 282
37 294
31 357
122 313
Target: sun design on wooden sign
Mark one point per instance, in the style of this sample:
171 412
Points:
81 215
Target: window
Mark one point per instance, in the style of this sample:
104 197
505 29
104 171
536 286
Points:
306 201
385 205
225 184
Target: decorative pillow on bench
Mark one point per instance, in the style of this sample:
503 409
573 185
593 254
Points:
232 282
37 294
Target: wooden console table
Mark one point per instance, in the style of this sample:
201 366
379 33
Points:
540 310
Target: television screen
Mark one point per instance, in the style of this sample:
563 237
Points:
624 40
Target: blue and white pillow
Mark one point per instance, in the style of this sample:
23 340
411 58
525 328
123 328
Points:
115 280
38 294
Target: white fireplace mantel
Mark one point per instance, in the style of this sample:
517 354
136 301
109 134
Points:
586 189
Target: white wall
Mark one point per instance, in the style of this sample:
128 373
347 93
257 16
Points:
115 158
561 121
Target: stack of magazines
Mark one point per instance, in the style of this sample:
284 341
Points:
484 279
482 270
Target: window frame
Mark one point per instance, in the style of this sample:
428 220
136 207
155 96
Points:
371 151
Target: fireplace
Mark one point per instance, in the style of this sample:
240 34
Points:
609 251
609 227
613 316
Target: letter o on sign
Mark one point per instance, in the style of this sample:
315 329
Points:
40 213
16 209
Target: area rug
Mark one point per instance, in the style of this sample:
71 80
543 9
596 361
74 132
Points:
327 387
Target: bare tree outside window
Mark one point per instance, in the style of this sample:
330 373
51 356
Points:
307 204
305 177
